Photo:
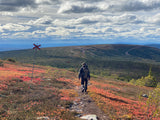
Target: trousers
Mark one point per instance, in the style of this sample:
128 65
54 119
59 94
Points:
84 83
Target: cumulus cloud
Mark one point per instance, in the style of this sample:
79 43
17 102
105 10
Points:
14 27
50 31
83 21
131 5
92 19
100 24
80 18
43 1
59 22
155 19
77 7
126 19
6 14
83 6
90 30
1 30
137 5
45 20
21 34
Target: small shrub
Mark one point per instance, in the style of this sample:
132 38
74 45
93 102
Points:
148 81
93 75
1 63
153 103
11 60
158 85
133 81
72 69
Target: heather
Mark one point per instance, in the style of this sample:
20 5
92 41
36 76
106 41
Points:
52 92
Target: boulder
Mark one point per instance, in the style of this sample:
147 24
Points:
89 117
43 118
145 95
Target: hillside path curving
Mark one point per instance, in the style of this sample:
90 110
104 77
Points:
127 52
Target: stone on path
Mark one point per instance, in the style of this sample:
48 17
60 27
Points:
43 118
89 117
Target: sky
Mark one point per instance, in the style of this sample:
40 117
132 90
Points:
78 22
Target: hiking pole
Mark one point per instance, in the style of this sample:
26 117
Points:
36 47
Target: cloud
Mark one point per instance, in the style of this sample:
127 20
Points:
15 5
155 19
56 31
6 14
132 5
43 1
100 24
14 27
1 29
92 19
77 7
21 35
81 21
79 18
109 29
138 5
82 6
126 19
51 31
90 30
45 20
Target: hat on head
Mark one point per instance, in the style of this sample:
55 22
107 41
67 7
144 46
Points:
84 64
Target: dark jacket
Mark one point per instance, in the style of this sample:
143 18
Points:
82 73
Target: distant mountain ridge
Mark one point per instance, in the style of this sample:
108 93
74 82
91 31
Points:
117 52
154 45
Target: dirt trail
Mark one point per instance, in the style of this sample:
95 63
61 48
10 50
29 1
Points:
127 52
84 105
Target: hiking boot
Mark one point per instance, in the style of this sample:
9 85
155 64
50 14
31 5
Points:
82 90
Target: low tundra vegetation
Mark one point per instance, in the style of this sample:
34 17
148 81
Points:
51 92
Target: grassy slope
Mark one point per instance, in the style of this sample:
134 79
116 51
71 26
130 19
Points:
23 98
52 91
126 61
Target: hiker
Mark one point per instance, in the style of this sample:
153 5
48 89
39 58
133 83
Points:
84 74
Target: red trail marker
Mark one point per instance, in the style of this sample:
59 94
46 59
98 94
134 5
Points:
36 46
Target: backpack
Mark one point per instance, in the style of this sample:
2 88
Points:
86 71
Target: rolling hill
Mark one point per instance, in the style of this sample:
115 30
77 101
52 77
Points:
122 62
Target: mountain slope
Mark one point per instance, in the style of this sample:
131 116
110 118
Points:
123 52
126 61
55 94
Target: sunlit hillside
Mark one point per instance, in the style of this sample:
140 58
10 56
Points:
52 93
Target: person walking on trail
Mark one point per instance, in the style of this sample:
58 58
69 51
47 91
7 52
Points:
84 75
